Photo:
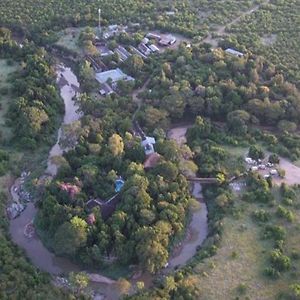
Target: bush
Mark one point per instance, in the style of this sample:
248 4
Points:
282 212
271 272
256 152
274 158
279 261
274 232
261 216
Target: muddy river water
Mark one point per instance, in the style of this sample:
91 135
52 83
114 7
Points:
45 260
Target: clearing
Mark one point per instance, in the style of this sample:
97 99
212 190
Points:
68 39
238 267
6 69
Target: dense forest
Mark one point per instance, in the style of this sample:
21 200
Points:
190 18
152 206
34 113
272 31
238 94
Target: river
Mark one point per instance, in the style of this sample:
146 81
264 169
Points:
198 228
34 248
45 260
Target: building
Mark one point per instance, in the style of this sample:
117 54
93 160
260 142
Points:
145 40
170 13
102 48
119 183
234 52
106 90
114 75
144 49
153 36
138 52
123 53
148 145
107 207
153 48
167 40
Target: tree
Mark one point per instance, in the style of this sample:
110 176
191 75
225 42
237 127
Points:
256 152
288 126
116 144
237 121
155 117
295 291
274 158
70 236
123 286
167 169
78 281
135 63
279 261
140 285
281 172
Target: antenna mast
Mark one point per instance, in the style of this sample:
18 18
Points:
99 21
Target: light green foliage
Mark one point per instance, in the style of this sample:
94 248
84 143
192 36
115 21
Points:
116 144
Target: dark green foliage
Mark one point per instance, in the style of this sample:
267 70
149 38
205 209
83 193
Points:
255 152
274 158
261 216
274 232
279 261
33 113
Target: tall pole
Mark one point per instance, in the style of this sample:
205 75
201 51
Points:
99 21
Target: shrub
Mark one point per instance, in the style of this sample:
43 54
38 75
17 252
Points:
242 288
256 152
271 272
274 232
287 201
279 261
282 212
274 158
261 216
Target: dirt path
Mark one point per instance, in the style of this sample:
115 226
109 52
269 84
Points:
221 31
179 133
136 99
292 172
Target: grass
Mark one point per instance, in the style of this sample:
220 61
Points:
68 39
239 263
5 71
236 151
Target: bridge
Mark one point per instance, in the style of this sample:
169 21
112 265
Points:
203 180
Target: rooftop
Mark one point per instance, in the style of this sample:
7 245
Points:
114 74
234 52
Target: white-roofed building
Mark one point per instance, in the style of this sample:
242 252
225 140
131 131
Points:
148 145
234 52
114 75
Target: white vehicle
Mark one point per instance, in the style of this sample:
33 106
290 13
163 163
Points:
266 176
254 168
262 167
248 160
273 172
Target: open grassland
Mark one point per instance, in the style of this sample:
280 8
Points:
6 69
237 270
